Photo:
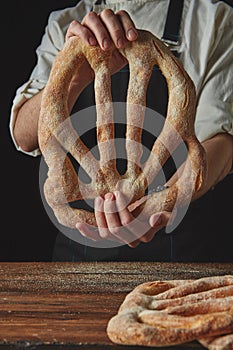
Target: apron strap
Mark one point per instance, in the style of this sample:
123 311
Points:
172 26
98 2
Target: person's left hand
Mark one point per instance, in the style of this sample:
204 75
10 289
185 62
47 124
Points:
117 222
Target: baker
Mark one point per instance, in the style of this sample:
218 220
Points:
194 239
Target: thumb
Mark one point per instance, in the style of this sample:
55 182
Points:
160 219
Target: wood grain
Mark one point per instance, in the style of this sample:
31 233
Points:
67 305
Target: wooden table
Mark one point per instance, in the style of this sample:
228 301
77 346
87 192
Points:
67 305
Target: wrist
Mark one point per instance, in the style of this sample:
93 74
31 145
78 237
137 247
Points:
77 85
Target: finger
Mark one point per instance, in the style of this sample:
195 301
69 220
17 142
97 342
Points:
94 23
114 27
113 221
100 218
136 227
124 214
134 244
88 231
159 220
104 232
93 234
110 210
128 25
77 29
148 236
132 207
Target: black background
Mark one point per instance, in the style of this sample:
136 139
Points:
27 233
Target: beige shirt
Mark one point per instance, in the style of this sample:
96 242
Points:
206 51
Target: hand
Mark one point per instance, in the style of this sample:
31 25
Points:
104 29
117 222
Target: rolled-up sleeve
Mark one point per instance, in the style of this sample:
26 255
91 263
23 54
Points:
51 43
39 76
215 99
25 92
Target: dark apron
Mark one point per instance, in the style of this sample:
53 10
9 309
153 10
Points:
197 236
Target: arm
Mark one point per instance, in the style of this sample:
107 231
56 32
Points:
219 156
26 124
219 151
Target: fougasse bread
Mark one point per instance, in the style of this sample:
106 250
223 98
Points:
58 138
165 313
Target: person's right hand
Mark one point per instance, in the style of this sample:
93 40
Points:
104 29
120 223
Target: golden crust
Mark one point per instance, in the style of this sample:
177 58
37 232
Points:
223 342
163 313
55 129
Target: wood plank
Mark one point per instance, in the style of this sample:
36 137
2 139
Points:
97 277
68 305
